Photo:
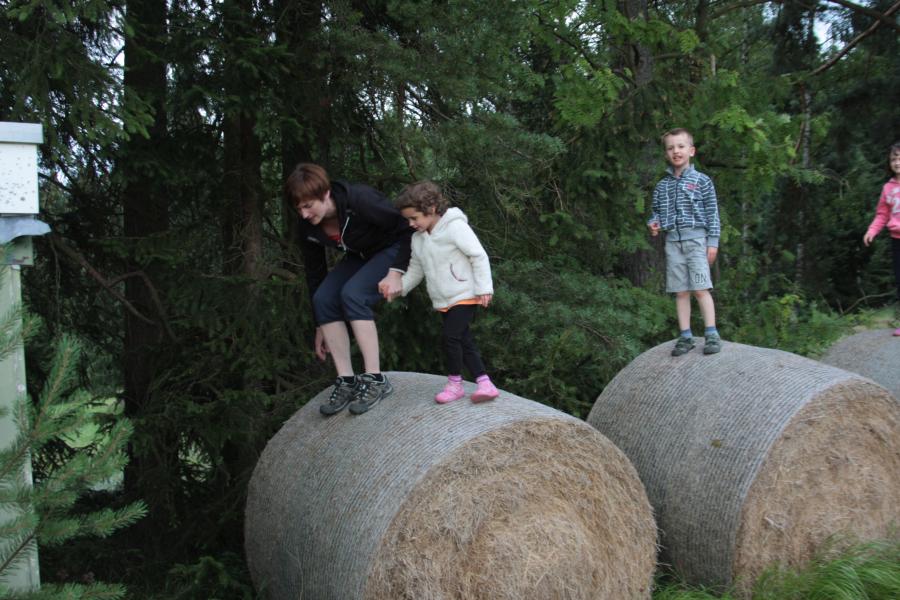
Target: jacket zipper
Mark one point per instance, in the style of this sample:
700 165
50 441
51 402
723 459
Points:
677 228
344 246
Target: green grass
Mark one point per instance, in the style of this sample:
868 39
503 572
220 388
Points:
869 571
885 317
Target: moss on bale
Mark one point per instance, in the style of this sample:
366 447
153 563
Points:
507 499
754 456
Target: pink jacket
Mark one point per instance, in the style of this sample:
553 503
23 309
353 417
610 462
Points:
888 210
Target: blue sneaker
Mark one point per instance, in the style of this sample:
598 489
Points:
713 344
683 345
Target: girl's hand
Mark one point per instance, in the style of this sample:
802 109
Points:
867 239
320 346
391 286
485 299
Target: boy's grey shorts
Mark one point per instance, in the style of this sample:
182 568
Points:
687 267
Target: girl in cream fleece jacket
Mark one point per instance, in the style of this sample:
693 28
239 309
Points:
457 272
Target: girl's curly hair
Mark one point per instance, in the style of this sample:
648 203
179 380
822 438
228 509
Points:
423 196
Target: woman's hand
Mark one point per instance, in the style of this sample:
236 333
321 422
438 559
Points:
391 286
485 299
320 345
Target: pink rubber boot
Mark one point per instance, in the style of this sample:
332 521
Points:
486 390
452 391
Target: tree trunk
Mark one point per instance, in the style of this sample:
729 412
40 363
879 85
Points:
152 471
306 121
801 191
640 266
242 221
637 57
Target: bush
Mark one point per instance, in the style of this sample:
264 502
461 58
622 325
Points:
558 335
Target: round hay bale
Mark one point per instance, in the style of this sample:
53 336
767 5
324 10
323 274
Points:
874 354
508 499
753 456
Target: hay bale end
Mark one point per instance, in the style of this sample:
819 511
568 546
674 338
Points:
504 500
754 456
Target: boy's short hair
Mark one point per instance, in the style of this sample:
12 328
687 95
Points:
423 196
307 182
677 131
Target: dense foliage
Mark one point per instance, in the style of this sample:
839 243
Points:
170 126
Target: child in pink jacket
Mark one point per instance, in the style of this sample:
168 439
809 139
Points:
888 213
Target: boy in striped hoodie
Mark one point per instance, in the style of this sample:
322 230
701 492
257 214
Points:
685 208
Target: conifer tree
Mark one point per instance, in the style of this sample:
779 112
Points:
45 513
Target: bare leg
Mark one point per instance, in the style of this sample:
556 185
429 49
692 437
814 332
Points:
366 336
683 310
338 339
707 308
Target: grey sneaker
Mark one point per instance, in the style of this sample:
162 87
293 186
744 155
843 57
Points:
683 345
713 344
341 395
368 393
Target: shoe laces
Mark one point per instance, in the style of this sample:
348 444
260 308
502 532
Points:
363 389
338 391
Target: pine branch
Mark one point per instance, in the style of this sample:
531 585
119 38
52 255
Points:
17 527
13 457
72 591
105 522
45 508
10 332
852 43
12 460
15 495
17 552
109 286
869 12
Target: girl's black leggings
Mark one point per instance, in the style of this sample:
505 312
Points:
458 343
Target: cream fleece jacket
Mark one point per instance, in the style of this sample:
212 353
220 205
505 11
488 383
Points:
451 260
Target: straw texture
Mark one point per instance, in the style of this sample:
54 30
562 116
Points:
753 456
874 354
502 500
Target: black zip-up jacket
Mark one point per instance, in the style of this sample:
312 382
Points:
368 223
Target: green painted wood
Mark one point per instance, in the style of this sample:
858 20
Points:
12 387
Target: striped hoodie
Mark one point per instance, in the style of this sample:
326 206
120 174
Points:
686 207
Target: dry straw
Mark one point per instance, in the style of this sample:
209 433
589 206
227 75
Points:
504 500
874 354
754 456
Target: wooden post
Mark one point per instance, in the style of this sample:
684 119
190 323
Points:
18 208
